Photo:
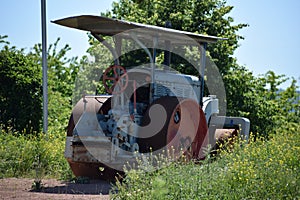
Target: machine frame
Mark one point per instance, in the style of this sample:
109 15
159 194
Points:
101 136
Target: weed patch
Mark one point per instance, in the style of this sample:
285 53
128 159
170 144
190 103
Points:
265 169
33 156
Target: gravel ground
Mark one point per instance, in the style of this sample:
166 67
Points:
21 188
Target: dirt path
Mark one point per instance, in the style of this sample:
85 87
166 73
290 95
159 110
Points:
15 188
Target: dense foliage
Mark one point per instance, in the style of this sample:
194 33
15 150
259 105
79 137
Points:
21 87
20 91
261 100
204 17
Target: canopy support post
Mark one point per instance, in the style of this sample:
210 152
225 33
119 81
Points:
203 47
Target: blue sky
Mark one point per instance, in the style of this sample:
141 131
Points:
272 41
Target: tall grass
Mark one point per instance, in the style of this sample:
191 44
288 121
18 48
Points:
31 156
265 169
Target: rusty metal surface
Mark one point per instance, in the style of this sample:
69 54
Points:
94 155
190 130
188 133
92 152
185 129
81 161
222 134
93 170
159 140
224 138
94 105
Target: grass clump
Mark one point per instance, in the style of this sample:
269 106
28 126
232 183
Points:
36 156
265 169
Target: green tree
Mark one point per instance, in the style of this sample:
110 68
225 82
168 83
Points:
21 86
204 17
62 73
261 100
20 91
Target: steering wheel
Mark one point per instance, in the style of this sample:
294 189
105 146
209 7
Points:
112 78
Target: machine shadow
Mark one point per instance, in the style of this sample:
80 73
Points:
93 187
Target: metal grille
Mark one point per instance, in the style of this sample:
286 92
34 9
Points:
174 89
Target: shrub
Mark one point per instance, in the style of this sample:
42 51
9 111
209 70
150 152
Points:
31 156
20 91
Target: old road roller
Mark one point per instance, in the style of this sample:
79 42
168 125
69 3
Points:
148 108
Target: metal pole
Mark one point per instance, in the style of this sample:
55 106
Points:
202 70
44 64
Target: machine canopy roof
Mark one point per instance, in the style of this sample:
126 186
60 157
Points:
109 27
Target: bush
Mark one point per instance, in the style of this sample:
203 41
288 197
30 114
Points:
20 91
33 156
